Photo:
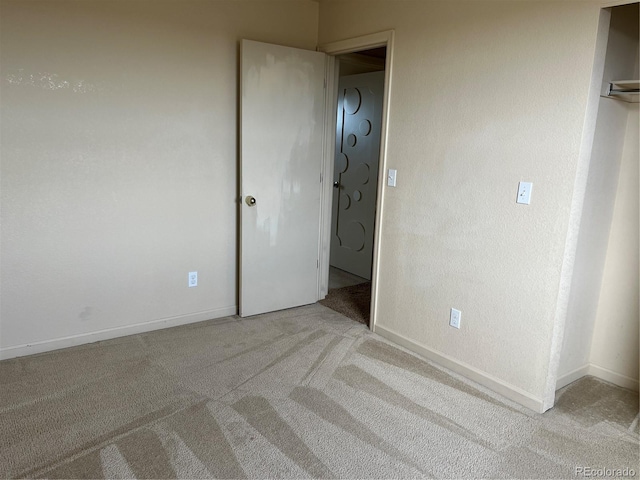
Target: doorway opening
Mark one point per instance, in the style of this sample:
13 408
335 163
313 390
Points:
356 165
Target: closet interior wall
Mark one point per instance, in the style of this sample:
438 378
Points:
601 333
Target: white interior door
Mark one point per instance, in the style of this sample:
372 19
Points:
282 117
356 172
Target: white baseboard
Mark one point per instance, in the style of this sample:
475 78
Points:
598 372
572 376
509 391
109 333
613 377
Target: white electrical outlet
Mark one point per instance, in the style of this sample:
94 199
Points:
454 318
193 279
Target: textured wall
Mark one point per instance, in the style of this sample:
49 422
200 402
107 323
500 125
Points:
597 213
615 338
119 159
119 164
594 293
483 95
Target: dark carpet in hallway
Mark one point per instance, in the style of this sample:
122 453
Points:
353 301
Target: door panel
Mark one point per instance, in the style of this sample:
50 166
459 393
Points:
356 172
282 117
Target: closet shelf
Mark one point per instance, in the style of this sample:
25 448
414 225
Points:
625 90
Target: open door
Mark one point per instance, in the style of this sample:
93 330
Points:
282 109
356 172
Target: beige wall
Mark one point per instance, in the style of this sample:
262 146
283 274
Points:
597 213
119 161
614 349
483 95
615 342
118 169
600 290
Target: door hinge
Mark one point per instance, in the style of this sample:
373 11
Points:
317 263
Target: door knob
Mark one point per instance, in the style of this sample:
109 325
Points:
250 200
336 184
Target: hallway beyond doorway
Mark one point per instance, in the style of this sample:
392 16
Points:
339 278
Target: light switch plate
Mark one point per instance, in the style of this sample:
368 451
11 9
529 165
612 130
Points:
455 317
391 178
524 193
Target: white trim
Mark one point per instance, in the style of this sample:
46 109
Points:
109 333
506 390
326 192
614 377
598 372
352 45
365 42
572 376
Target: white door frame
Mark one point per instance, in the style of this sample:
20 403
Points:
375 40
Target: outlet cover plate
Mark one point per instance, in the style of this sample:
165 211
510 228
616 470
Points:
193 279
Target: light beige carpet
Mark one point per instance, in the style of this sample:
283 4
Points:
304 393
